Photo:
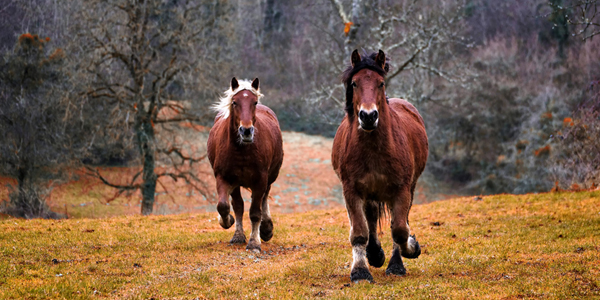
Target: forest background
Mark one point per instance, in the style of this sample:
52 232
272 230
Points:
508 89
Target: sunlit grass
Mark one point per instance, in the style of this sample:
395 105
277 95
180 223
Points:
505 246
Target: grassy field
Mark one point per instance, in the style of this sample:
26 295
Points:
500 247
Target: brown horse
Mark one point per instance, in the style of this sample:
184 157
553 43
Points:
245 150
379 152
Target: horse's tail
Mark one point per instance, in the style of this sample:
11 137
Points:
382 208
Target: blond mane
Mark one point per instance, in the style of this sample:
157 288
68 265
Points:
222 107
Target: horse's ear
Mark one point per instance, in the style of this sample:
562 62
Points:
380 59
234 84
355 57
255 83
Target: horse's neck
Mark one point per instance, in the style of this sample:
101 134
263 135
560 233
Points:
232 135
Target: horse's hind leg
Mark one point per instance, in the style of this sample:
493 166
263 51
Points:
404 244
359 236
266 223
223 207
238 208
375 254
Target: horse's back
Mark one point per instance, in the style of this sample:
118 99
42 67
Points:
411 122
406 109
267 121
216 135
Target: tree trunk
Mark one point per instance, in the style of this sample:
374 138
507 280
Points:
22 173
147 150
351 39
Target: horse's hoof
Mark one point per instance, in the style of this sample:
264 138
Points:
253 246
375 256
266 230
414 245
238 239
395 269
229 223
359 274
395 266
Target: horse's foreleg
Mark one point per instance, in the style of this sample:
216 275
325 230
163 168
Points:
404 244
255 218
223 207
359 236
375 254
266 223
238 208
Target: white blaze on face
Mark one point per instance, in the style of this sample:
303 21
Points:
245 94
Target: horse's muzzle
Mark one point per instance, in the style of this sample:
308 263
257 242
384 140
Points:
368 120
246 134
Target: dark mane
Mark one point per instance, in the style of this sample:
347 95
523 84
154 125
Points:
366 62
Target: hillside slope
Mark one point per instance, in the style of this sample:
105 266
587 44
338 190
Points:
500 247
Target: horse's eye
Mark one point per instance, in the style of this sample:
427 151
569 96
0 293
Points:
233 103
382 85
353 84
255 103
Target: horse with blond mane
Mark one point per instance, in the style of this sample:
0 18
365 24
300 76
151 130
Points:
245 150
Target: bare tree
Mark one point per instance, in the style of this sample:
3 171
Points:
582 14
144 60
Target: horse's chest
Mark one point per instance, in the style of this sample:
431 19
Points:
243 172
374 183
376 178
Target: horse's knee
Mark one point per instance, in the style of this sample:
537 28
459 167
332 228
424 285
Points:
359 238
400 234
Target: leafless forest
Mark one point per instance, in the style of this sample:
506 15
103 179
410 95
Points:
508 89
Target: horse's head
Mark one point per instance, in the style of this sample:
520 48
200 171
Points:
243 109
239 102
365 89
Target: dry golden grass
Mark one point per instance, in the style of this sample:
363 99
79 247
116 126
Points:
502 247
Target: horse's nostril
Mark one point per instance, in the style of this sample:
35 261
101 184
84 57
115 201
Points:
375 115
246 131
362 115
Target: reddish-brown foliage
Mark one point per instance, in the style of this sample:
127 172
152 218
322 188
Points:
57 54
556 188
575 187
25 36
542 151
347 28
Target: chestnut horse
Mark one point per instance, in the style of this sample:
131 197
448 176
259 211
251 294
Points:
245 150
379 152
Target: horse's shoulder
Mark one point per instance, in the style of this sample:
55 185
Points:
342 130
